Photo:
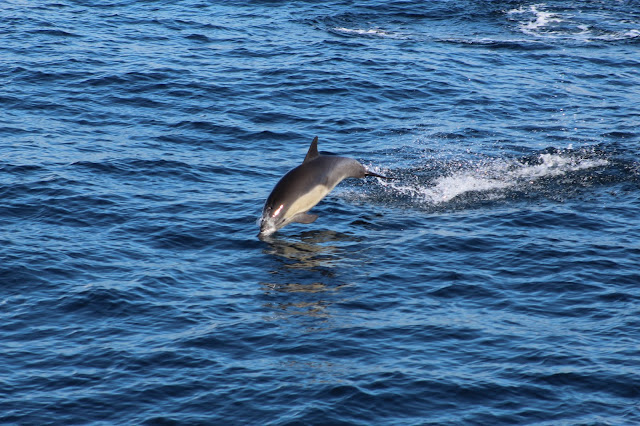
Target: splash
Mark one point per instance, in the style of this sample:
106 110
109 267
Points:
490 179
571 24
540 18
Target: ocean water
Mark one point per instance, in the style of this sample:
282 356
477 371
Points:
495 280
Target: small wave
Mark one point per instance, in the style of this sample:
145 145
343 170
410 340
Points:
618 36
372 32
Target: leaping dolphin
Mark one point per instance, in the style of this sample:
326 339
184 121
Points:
303 187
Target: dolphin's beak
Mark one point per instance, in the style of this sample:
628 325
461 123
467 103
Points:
263 235
267 227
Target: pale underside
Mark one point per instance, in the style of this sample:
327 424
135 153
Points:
307 201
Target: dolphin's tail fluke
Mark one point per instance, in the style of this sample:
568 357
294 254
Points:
370 173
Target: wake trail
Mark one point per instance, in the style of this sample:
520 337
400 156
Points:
456 183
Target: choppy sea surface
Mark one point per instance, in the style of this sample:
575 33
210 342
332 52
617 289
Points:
495 280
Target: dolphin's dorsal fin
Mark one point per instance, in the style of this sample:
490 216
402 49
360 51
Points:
313 151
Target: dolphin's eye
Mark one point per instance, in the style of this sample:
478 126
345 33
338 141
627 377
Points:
277 211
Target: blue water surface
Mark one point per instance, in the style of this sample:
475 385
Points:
494 280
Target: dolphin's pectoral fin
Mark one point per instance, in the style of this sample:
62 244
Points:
304 218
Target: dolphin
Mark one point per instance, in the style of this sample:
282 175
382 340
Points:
304 186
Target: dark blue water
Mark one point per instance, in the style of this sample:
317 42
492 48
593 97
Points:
496 280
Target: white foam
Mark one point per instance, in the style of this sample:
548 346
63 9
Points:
491 177
631 34
617 36
536 20
370 32
541 18
449 187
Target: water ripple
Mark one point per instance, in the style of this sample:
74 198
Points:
492 281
